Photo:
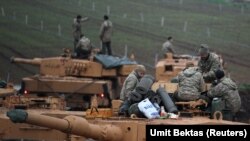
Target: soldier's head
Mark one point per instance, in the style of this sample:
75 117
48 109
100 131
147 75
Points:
219 74
170 38
82 35
78 18
105 17
140 70
203 51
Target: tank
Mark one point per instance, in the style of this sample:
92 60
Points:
169 67
109 129
75 80
41 114
6 90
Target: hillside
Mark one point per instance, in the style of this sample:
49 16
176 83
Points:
35 28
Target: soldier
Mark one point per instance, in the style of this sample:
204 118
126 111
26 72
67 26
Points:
191 84
105 35
208 63
227 90
77 29
129 85
83 48
168 46
131 81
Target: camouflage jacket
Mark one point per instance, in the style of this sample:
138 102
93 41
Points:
167 47
106 31
129 85
191 84
84 44
227 90
207 67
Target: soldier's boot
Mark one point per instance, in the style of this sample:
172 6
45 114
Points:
124 108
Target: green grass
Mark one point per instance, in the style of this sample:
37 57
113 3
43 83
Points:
244 87
229 28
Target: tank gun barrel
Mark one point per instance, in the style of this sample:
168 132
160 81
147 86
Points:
70 124
35 61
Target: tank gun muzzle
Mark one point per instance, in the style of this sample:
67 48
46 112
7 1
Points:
35 61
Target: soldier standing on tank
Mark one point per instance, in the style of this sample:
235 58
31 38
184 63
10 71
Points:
190 85
167 47
77 29
227 90
106 31
129 85
209 62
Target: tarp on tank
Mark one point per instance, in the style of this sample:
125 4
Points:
112 61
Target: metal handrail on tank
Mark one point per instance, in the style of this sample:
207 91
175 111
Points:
70 124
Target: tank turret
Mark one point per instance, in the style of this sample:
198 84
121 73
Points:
66 66
6 91
63 66
77 79
171 65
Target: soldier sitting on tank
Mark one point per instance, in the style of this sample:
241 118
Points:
227 90
190 84
129 85
83 48
209 62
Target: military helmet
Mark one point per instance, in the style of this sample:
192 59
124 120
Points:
204 50
140 68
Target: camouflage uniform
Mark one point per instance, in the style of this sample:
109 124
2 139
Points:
209 66
105 36
228 91
83 48
191 84
167 47
129 85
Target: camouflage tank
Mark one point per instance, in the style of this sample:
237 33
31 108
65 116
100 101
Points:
74 80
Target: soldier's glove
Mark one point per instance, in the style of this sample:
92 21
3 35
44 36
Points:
198 103
205 98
